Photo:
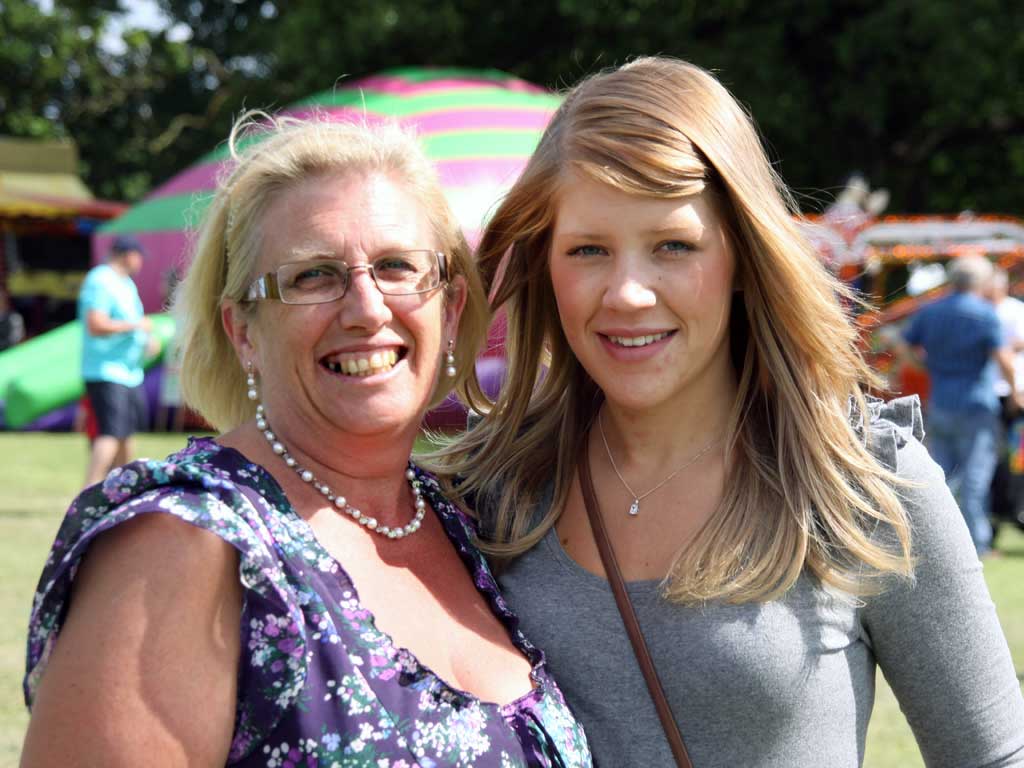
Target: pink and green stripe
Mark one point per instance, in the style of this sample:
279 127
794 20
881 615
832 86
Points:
478 126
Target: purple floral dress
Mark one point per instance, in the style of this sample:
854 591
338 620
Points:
319 684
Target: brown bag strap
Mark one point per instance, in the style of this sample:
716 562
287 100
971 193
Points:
636 636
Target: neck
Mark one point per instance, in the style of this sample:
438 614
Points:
667 436
118 266
368 470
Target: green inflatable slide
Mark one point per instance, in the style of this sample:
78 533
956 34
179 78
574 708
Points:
45 373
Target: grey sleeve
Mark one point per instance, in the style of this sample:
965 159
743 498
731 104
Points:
938 640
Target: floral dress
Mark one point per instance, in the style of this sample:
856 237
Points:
319 684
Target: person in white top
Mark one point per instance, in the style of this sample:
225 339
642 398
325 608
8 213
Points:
1011 318
1008 482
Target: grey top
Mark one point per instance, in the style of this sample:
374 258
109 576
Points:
791 682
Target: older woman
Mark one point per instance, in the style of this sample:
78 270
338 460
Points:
295 591
684 405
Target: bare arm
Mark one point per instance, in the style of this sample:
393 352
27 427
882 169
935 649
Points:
1004 359
99 323
145 667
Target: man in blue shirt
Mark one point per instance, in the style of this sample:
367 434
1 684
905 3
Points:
961 342
114 346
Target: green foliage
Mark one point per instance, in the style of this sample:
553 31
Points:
118 106
923 96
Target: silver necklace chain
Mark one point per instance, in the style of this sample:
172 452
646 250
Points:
634 508
368 522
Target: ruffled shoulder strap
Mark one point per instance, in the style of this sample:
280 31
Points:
217 490
890 426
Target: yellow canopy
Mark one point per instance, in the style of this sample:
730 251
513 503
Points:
39 178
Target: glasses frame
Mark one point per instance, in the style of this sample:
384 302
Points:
267 287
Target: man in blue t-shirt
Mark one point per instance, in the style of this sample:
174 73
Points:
114 345
961 342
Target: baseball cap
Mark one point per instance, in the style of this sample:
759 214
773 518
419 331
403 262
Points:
125 244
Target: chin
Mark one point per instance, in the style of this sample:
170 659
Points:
620 395
380 418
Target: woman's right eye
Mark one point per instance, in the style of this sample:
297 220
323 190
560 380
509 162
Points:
586 250
314 273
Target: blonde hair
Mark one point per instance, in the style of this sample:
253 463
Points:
802 490
228 243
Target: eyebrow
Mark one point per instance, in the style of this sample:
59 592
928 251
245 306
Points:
312 251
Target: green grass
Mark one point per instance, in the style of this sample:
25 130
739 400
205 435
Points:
40 474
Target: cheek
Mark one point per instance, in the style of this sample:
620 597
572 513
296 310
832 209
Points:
287 329
709 284
424 326
571 289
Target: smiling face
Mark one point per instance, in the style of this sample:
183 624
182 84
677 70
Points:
365 364
644 288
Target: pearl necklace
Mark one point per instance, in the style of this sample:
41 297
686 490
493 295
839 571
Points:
370 523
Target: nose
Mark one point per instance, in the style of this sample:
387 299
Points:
630 287
363 305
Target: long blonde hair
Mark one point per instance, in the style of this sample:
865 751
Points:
802 490
228 243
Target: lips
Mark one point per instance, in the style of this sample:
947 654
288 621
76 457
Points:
641 340
363 363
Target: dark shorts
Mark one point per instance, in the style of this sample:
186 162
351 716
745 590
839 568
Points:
120 411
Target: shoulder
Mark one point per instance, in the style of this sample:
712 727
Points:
977 306
95 280
938 533
892 431
204 531
153 627
460 524
894 435
99 275
176 517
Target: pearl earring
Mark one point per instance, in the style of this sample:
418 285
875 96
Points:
449 360
250 383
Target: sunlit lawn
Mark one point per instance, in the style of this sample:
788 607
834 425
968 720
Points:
40 474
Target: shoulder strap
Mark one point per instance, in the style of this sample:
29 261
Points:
636 637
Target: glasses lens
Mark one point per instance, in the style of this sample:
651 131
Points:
407 272
311 282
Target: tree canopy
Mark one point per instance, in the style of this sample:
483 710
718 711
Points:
922 96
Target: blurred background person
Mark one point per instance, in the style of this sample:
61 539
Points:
960 341
1008 480
1010 312
12 325
114 345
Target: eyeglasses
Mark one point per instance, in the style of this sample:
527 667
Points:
318 281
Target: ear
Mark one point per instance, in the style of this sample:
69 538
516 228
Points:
238 326
455 302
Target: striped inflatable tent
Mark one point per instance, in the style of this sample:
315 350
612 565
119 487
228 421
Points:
478 126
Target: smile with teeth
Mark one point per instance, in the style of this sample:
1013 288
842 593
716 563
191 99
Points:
637 341
362 364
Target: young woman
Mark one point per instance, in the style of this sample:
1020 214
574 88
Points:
781 535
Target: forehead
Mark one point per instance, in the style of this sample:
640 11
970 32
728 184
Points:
354 216
586 206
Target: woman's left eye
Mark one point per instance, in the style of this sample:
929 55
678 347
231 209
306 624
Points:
675 246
